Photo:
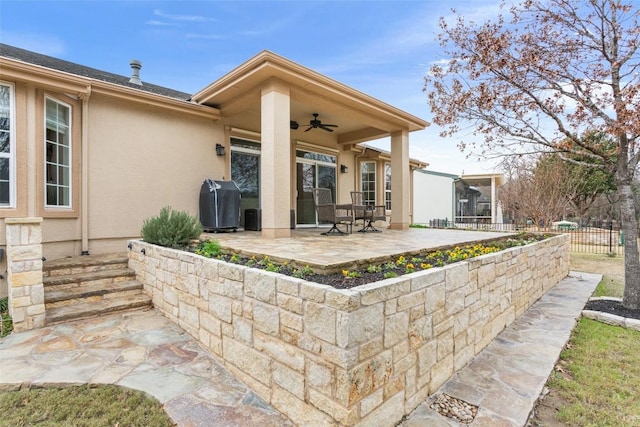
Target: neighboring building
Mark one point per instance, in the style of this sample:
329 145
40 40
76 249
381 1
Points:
95 153
476 198
433 196
440 196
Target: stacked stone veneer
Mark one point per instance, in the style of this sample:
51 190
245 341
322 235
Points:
363 356
24 273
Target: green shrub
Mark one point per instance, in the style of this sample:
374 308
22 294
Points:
6 324
210 248
173 229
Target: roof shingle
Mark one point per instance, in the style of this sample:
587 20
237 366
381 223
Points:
34 58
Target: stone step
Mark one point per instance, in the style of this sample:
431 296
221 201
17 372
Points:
94 291
89 309
103 277
83 264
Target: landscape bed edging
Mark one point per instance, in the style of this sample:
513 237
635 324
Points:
326 356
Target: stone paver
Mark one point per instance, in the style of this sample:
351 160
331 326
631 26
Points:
307 246
140 350
507 377
145 351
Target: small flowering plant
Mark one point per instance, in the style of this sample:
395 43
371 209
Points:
403 264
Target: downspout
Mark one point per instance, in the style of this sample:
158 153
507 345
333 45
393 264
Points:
84 204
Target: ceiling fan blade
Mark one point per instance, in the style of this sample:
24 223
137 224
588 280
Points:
331 126
309 128
324 127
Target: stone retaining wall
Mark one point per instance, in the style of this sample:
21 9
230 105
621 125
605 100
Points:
362 356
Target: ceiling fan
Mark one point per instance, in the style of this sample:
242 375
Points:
315 123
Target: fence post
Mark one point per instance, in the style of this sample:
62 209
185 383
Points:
610 236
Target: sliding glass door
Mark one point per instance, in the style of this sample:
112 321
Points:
313 170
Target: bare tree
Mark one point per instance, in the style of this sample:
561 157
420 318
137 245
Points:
540 80
537 189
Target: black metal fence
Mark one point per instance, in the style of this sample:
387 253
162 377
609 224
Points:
607 238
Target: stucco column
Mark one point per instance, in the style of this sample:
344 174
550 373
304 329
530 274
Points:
400 181
275 160
24 273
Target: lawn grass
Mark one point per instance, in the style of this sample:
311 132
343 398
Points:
599 376
611 268
81 406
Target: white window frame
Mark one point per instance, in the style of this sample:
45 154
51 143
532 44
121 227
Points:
387 186
68 206
372 183
11 155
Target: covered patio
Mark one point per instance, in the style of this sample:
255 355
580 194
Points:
289 129
332 253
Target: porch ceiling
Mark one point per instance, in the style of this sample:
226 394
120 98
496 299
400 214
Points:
359 117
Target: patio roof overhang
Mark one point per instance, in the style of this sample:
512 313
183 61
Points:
360 117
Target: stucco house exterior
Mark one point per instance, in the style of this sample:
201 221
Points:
94 153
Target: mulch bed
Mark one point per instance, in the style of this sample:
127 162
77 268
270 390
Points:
612 307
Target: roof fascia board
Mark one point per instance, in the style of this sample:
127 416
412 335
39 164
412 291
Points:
267 64
83 87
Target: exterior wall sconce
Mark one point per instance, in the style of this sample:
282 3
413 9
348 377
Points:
219 150
344 169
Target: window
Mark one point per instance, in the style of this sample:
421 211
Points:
368 182
7 146
387 186
57 154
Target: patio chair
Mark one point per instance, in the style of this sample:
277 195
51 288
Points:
329 212
367 213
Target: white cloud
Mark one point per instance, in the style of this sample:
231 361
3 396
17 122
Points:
182 18
161 23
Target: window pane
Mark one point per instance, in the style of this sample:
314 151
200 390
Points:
63 178
368 182
52 195
64 196
5 141
7 186
4 169
58 154
5 107
4 193
63 155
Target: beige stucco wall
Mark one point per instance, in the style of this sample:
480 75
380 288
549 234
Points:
143 159
140 159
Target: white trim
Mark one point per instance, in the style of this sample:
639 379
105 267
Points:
44 165
243 133
12 146
316 148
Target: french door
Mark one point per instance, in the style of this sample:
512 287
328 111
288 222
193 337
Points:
313 170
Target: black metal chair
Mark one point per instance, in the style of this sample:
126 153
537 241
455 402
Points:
367 213
329 212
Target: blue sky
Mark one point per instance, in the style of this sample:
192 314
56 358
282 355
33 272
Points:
382 48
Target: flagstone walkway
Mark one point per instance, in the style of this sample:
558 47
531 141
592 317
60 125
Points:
145 351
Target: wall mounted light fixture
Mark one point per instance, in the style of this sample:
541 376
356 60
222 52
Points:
219 150
344 169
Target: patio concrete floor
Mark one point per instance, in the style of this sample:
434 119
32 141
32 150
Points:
307 246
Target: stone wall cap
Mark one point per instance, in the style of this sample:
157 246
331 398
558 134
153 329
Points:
25 220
